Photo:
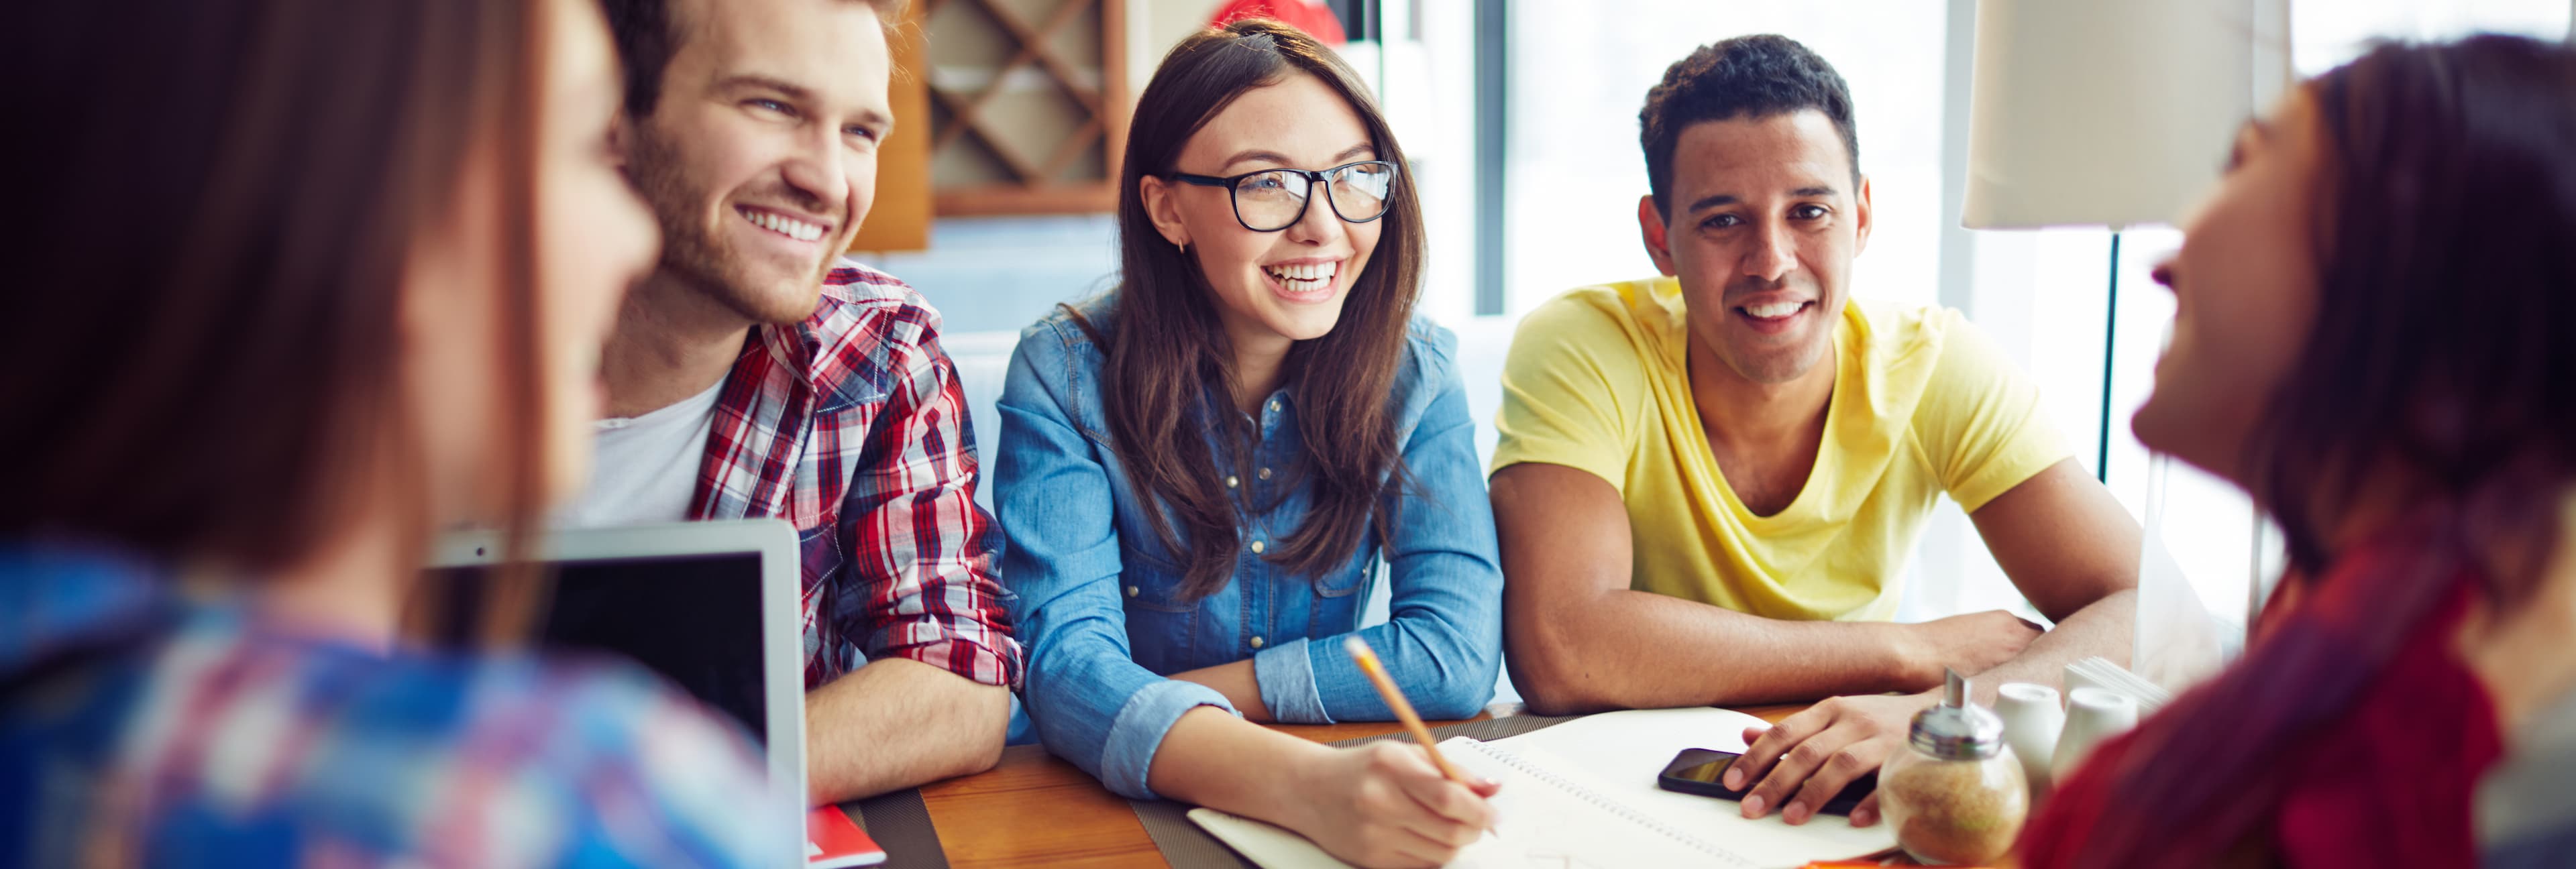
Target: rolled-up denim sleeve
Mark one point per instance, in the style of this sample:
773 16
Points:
1443 642
1286 674
1092 703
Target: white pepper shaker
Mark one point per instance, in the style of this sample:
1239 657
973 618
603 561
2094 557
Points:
2093 715
2032 719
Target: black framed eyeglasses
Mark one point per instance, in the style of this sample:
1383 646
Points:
1274 199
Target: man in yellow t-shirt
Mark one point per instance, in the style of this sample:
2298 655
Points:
1708 482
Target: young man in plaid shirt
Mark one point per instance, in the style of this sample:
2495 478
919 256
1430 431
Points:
756 373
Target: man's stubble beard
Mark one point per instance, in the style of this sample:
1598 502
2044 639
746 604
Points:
1780 364
690 252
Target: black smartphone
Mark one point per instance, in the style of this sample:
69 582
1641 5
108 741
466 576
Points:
1703 771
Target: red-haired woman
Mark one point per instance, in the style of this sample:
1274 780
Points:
2373 339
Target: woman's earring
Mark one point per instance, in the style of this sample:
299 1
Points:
1182 246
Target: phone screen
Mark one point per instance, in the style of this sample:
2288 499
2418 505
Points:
1710 767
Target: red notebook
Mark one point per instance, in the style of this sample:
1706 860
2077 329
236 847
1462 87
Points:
832 841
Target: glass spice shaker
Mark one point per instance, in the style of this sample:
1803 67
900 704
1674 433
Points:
1956 795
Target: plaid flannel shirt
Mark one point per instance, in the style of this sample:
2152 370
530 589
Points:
852 426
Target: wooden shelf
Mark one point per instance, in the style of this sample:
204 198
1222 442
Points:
1001 147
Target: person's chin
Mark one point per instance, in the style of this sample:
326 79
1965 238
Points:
2163 426
775 296
2143 423
1307 322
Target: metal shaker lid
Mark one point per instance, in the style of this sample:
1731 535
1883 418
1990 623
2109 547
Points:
1957 729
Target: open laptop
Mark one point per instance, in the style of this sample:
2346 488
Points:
711 606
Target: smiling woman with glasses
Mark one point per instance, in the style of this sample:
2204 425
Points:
1203 473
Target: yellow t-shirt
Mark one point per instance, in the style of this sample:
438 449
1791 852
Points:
1599 380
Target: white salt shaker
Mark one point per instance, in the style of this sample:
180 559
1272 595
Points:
2032 719
2093 715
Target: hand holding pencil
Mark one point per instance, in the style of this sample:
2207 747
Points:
1367 659
1383 803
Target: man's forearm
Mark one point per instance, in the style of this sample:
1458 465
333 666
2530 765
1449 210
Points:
1581 640
2104 627
897 723
1632 649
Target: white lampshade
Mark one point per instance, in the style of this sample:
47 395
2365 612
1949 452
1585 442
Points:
2104 112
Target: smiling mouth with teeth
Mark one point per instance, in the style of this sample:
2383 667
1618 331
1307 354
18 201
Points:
786 226
1304 277
1773 311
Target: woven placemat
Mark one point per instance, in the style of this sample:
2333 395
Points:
900 822
1185 846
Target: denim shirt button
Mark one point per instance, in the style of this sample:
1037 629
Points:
1274 405
1256 642
1257 547
1264 473
1133 591
1231 482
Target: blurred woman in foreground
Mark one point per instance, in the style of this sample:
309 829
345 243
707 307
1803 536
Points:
311 279
2372 338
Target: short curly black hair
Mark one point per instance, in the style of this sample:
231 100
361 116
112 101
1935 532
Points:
1749 76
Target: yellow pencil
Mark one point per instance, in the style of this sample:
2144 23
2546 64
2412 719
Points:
1367 659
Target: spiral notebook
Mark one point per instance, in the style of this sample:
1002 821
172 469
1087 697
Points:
1598 809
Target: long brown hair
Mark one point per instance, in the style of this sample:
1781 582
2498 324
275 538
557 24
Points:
201 340
2447 281
1166 350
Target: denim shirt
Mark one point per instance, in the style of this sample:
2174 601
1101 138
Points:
1099 596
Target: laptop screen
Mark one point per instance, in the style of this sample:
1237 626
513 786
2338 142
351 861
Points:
693 619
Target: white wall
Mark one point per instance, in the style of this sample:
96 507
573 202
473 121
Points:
1154 26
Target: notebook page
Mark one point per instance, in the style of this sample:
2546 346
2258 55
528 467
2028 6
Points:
1550 820
1546 822
1619 754
1267 846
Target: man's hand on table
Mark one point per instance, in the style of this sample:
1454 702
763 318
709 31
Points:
1810 756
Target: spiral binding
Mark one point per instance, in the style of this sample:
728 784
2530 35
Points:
1614 807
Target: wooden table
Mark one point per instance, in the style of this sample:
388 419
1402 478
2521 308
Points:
1036 810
